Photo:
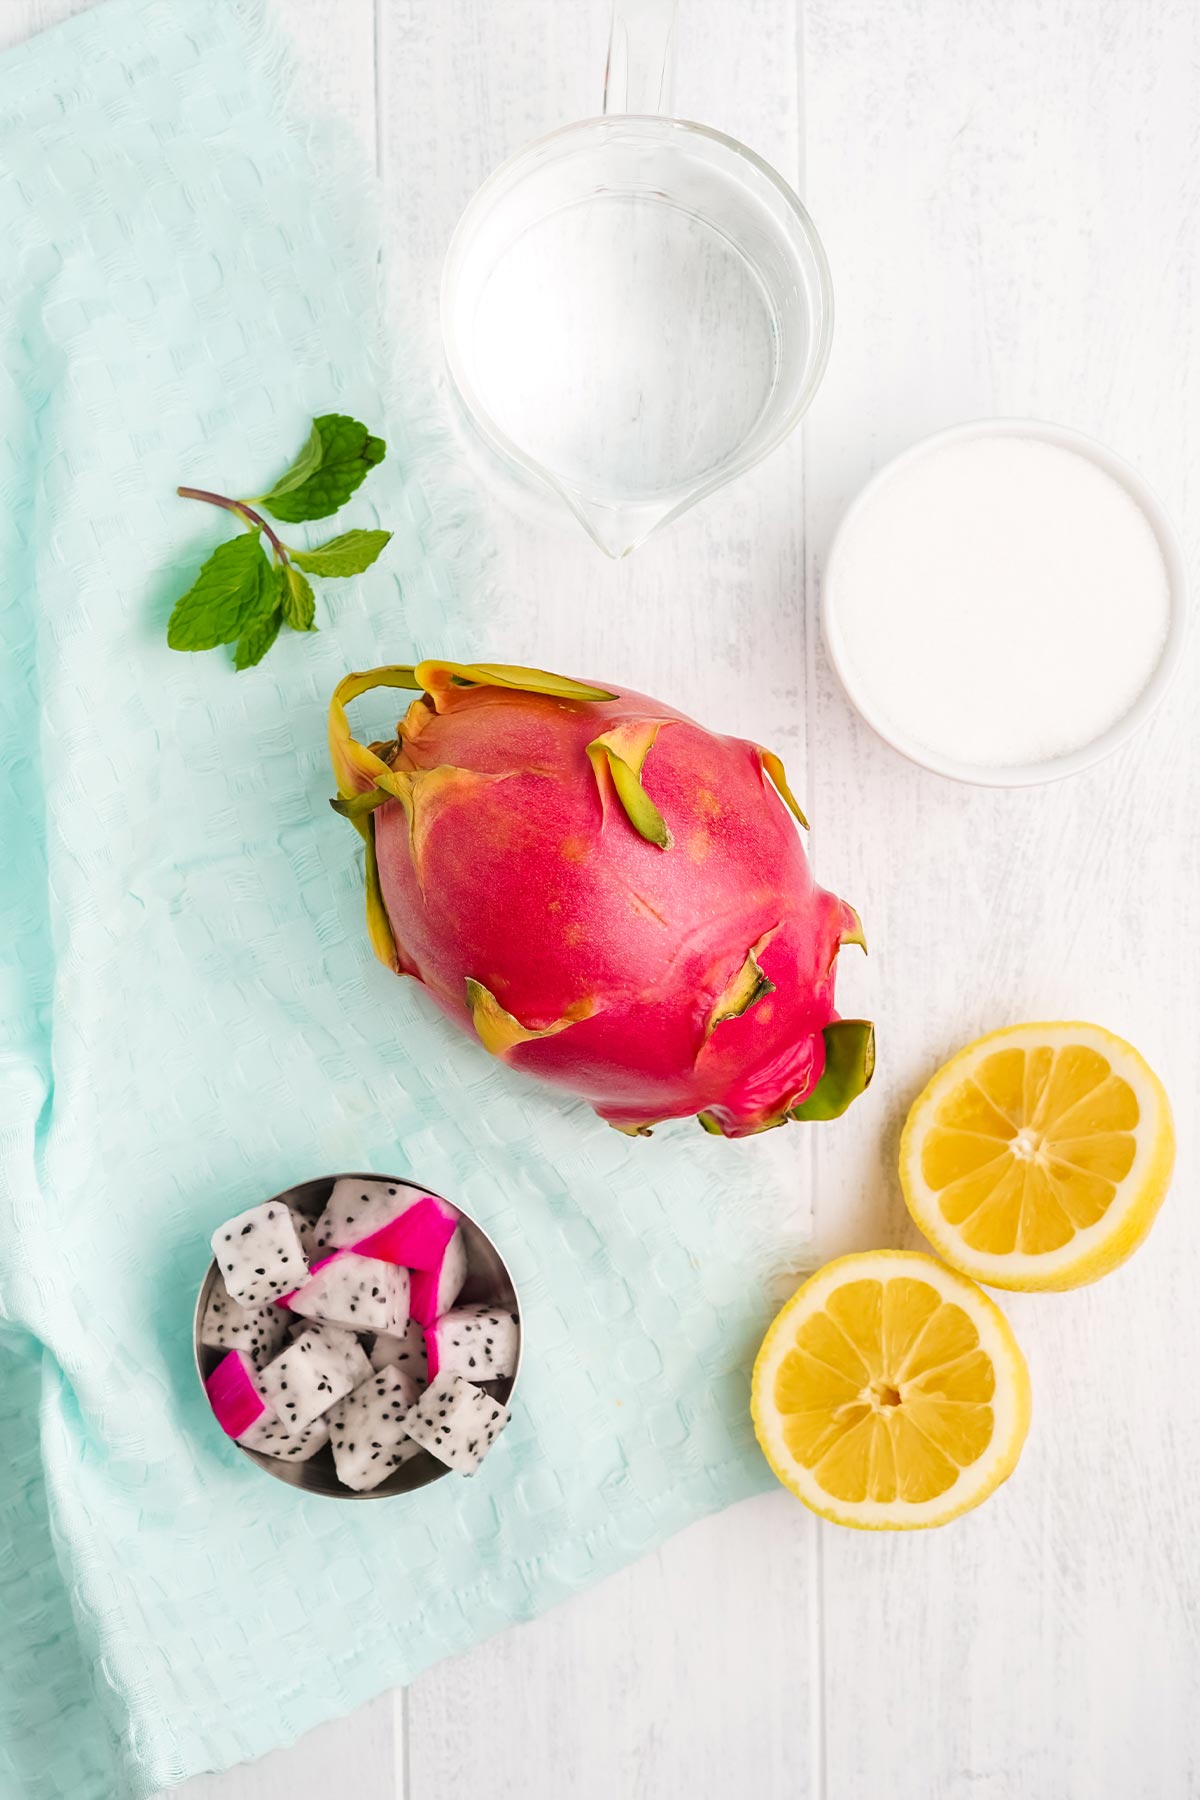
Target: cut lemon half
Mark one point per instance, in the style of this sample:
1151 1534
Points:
1039 1156
890 1393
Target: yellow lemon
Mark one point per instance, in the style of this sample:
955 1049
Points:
1039 1156
890 1393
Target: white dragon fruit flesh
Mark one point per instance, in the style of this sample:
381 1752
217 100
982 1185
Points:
434 1290
317 1369
367 1430
359 1292
269 1438
380 1218
306 1231
258 1330
478 1342
405 1352
457 1422
259 1254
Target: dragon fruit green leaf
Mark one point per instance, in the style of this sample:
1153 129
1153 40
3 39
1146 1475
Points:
406 1352
457 1422
317 1369
435 1290
259 1254
258 1330
492 785
359 1292
478 1342
367 1429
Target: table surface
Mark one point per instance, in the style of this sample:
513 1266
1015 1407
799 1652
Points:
1010 196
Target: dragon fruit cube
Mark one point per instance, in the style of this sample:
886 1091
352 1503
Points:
259 1254
234 1395
367 1430
478 1342
306 1231
317 1369
359 1292
269 1438
258 1330
457 1422
380 1218
405 1352
434 1290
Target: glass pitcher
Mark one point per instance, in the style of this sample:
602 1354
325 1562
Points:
635 308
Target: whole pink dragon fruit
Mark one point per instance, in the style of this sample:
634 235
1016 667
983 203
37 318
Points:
608 895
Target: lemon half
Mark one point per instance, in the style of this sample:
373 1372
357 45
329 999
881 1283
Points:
890 1393
1039 1155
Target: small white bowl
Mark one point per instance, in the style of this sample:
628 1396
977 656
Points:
1053 768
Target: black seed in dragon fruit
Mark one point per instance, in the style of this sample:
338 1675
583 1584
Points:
317 1369
457 1422
359 1292
258 1330
244 1415
380 1218
405 1352
478 1342
434 1290
367 1430
270 1438
259 1254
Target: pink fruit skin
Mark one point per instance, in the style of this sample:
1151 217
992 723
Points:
431 1350
235 1400
416 1238
520 870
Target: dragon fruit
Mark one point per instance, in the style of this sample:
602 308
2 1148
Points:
477 1342
359 1292
258 1330
244 1415
269 1438
406 1352
367 1430
457 1422
435 1290
397 1224
259 1254
608 895
233 1394
317 1369
306 1231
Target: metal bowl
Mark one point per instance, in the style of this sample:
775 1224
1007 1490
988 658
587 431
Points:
487 1279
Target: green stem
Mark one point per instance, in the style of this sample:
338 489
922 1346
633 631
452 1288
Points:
246 513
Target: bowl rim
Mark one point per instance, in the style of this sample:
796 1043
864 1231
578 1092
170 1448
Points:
1072 762
272 1465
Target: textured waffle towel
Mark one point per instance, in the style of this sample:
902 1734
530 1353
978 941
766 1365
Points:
191 1016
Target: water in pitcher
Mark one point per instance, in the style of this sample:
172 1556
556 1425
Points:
626 346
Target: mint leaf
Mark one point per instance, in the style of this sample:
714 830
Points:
349 554
348 454
299 601
308 461
257 639
225 595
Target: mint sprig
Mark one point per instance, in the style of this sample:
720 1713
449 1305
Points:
244 593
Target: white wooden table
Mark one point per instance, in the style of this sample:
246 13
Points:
1010 195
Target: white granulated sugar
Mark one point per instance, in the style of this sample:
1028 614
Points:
1000 601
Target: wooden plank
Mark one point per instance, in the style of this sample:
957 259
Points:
1010 204
658 1681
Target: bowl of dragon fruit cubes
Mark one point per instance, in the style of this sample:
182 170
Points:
358 1336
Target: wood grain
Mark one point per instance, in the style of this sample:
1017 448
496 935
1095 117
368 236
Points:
1010 197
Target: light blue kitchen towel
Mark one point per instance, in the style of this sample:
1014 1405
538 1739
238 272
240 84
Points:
191 1017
